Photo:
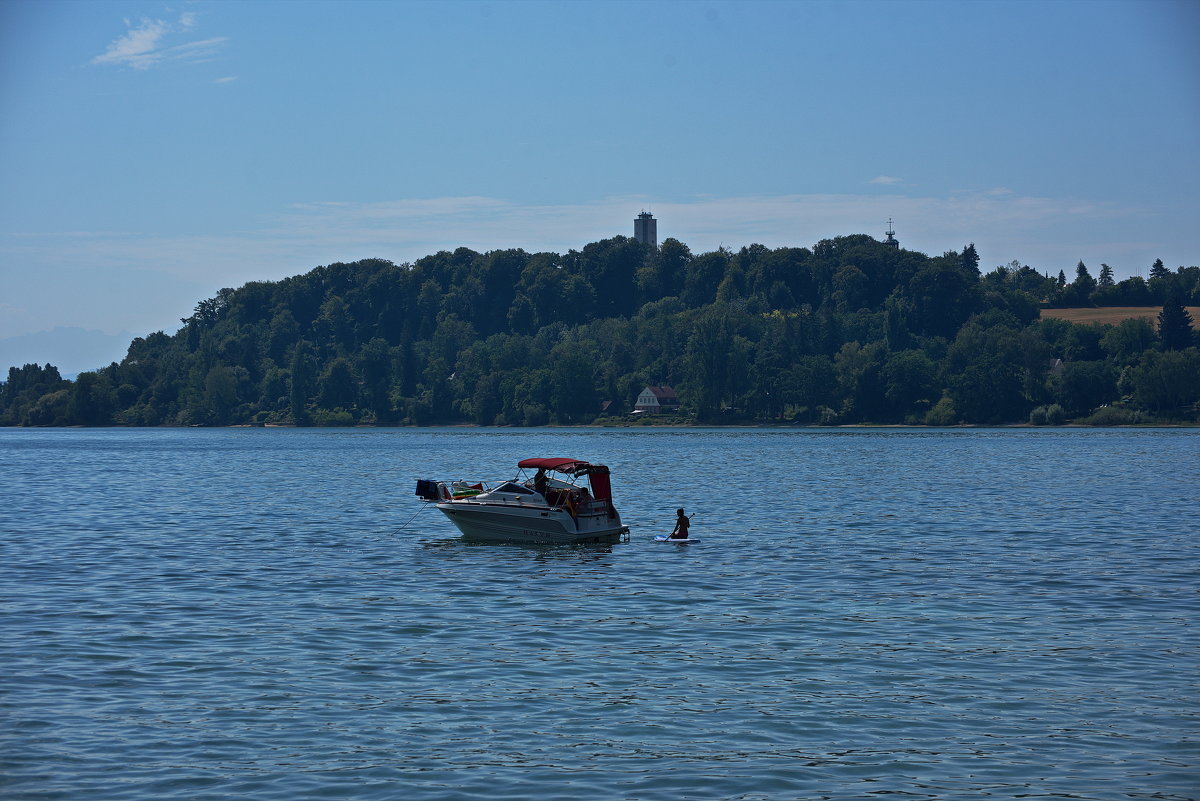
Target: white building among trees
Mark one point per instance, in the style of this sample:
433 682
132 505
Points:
655 400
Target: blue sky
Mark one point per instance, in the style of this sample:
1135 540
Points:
154 152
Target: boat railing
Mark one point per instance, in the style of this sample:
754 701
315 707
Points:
464 490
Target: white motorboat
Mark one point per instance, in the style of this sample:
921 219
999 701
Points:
572 506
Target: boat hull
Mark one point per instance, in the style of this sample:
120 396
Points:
530 524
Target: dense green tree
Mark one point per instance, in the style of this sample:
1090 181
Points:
208 311
220 394
704 274
522 319
970 259
337 387
50 409
909 383
672 260
1132 292
334 327
1175 322
989 390
852 330
92 400
1086 385
303 374
451 337
986 370
1080 292
810 383
374 365
486 402
1083 279
1125 342
1168 382
850 286
500 272
943 296
662 272
273 390
611 267
24 390
709 363
1082 343
733 286
1106 293
573 397
859 375
1188 281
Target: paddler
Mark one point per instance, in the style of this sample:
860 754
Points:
682 522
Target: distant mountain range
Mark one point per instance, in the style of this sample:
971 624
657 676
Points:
71 350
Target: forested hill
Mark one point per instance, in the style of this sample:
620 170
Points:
850 331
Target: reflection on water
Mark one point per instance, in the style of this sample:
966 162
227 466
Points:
937 615
535 551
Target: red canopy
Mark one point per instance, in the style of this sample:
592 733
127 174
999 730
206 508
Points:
597 473
558 463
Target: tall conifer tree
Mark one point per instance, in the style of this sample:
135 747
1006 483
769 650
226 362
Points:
1174 322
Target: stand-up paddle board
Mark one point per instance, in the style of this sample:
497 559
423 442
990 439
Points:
663 538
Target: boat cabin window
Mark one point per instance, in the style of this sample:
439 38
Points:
509 486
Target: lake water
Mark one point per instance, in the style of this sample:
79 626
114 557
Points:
959 614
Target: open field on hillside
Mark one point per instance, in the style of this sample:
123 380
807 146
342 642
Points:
1115 314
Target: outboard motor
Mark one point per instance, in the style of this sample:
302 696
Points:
427 490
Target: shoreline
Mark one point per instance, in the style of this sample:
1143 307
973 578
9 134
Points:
663 426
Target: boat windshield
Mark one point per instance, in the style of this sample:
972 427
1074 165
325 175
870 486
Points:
510 486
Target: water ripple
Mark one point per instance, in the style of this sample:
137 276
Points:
936 615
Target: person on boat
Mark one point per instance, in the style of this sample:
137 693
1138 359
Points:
682 522
539 482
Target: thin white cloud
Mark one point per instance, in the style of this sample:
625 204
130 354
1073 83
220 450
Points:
886 180
196 51
147 45
138 48
226 79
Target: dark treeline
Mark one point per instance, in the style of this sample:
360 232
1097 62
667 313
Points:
850 331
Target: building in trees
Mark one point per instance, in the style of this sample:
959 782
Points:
645 229
656 399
